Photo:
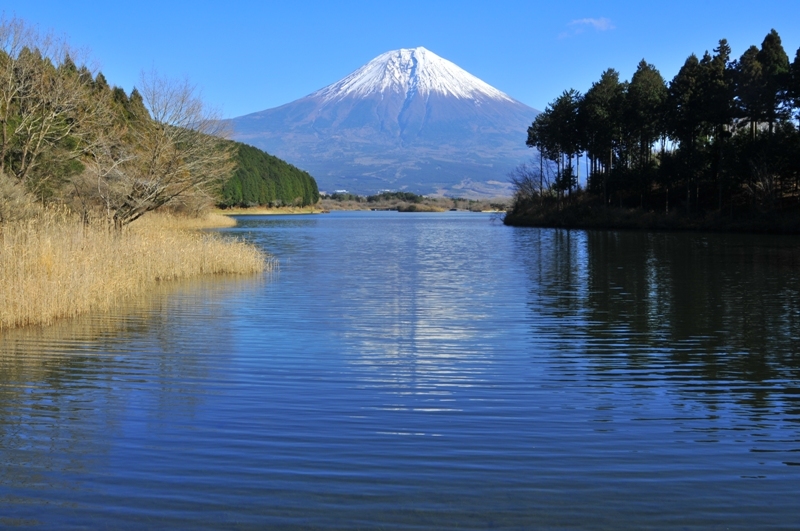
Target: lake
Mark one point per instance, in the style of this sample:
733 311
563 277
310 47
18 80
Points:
422 371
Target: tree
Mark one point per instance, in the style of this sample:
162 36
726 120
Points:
567 136
685 122
599 117
775 73
529 180
716 86
644 116
749 81
685 103
169 150
262 179
541 136
555 133
47 110
794 83
716 105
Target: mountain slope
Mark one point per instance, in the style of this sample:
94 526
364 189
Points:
408 120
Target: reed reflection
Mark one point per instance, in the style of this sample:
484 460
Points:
71 392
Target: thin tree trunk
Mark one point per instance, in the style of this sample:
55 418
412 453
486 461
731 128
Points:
541 176
606 176
697 196
589 163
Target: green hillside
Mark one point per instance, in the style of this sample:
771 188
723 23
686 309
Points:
261 179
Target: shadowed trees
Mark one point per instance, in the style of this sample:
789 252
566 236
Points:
557 135
722 135
600 118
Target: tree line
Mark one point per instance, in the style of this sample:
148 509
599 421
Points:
721 135
67 136
380 197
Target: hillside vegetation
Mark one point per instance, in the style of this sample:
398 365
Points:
262 179
83 167
69 137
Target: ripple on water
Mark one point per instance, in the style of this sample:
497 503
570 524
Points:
422 371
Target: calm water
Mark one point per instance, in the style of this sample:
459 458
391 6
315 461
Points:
415 371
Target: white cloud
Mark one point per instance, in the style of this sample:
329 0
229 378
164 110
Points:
580 25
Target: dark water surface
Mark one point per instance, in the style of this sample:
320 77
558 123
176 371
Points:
416 371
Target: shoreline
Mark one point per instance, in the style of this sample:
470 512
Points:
582 217
266 211
53 266
327 209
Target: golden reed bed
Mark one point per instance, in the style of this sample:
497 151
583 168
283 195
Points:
54 266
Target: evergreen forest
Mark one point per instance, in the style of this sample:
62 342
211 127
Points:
720 139
262 179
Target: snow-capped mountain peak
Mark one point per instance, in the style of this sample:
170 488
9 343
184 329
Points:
411 72
407 120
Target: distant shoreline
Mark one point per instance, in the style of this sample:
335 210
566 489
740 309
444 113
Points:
267 211
327 206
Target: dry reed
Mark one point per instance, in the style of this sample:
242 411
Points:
159 221
53 266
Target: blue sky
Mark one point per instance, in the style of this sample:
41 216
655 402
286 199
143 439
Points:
248 56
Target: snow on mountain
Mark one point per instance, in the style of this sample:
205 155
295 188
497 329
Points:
407 120
411 72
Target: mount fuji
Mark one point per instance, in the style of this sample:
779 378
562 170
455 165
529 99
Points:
407 120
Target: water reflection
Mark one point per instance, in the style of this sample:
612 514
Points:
708 319
69 393
422 372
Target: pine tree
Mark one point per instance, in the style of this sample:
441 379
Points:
794 84
775 71
684 103
717 97
100 83
644 117
135 108
599 118
716 88
568 136
749 88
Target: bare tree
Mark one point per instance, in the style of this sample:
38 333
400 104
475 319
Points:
46 104
16 80
61 126
531 180
170 154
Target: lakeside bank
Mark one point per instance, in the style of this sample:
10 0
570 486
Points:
593 216
53 266
266 211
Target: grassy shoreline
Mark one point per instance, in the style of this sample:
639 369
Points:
54 267
594 217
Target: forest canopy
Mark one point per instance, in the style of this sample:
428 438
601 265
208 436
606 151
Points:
262 179
722 135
